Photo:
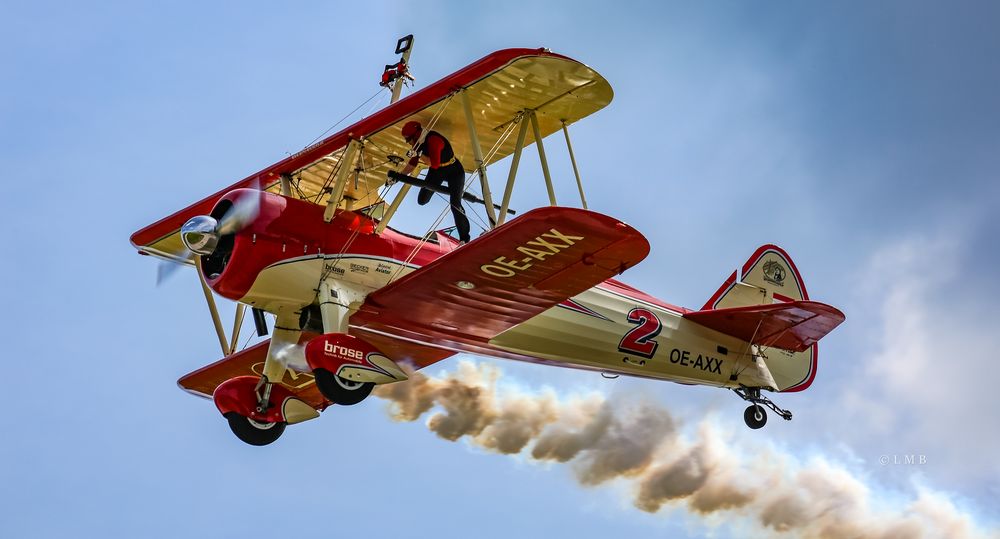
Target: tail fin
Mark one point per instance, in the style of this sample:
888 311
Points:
769 276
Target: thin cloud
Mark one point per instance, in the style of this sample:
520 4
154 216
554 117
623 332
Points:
933 347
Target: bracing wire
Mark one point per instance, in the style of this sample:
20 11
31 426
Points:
336 168
481 221
348 115
479 218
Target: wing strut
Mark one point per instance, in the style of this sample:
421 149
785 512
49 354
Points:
477 151
512 175
384 222
541 157
572 159
237 326
212 308
346 164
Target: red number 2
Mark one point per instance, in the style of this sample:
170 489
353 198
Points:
639 340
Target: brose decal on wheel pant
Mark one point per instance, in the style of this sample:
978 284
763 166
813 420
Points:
342 351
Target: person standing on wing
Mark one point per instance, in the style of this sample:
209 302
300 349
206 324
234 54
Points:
444 167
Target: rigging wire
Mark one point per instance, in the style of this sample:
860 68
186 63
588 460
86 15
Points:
348 115
326 272
496 147
478 217
430 126
333 171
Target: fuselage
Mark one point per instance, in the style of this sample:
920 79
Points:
277 262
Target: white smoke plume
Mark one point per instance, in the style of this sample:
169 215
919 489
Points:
666 466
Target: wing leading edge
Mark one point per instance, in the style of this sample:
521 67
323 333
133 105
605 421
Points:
503 278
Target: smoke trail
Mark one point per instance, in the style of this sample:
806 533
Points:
643 444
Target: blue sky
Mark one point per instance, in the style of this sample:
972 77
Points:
864 139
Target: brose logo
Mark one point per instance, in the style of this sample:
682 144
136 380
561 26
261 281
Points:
343 351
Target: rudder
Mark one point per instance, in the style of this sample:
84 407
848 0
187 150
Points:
769 276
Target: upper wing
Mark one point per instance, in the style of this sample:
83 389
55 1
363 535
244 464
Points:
498 87
503 278
794 325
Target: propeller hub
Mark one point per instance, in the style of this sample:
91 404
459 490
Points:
200 234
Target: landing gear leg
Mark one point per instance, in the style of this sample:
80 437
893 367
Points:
755 416
334 306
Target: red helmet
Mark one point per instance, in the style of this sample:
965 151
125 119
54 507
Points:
411 130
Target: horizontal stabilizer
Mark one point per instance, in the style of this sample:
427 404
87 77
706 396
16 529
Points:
509 275
794 325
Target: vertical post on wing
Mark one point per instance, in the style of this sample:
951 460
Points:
541 157
477 151
572 159
346 164
512 175
404 46
212 308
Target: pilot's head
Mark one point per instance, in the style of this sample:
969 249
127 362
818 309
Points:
411 132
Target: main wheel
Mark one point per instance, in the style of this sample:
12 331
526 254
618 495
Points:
254 432
339 390
755 416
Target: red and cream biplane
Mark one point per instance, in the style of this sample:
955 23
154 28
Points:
357 303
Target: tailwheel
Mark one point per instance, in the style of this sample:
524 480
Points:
341 390
755 416
254 432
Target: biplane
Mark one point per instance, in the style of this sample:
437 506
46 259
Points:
356 303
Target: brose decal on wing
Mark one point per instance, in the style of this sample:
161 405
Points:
543 246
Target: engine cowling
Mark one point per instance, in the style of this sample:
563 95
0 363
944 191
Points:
352 358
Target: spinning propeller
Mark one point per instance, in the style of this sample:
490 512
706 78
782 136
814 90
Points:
201 234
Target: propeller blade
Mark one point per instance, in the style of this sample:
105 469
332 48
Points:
167 268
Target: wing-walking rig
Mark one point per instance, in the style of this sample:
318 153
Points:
357 303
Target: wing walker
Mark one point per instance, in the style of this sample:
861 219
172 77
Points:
357 303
